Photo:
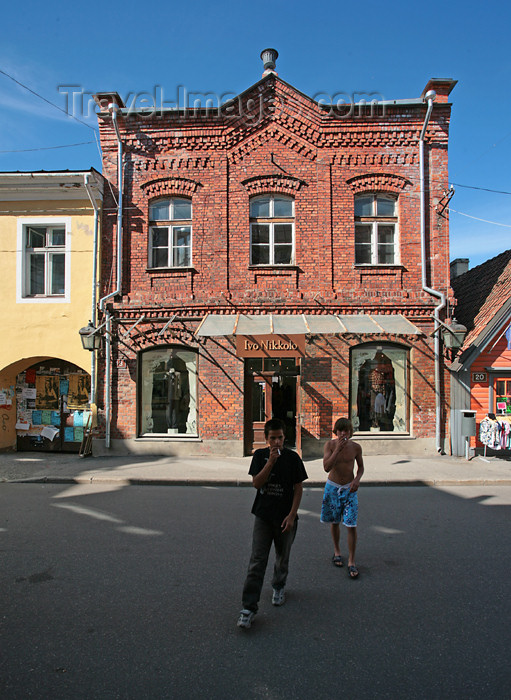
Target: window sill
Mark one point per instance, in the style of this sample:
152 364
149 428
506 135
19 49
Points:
378 267
366 435
164 437
61 299
271 268
170 270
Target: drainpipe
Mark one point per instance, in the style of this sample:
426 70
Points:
430 97
113 109
94 282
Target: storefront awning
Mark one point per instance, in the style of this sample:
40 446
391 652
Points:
307 324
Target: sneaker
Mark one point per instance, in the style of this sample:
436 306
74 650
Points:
245 618
278 596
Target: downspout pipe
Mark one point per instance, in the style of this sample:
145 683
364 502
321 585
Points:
88 188
430 97
113 109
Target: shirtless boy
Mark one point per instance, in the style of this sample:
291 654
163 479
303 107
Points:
340 499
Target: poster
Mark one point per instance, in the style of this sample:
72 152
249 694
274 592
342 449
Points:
49 432
79 388
47 387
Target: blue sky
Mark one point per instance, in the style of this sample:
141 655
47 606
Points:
389 48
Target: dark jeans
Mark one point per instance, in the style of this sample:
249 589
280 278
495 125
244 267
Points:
264 534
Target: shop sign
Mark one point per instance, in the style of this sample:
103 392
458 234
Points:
270 345
479 377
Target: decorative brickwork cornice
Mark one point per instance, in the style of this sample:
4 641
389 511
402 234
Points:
378 182
190 316
274 132
381 159
370 137
272 183
171 163
170 186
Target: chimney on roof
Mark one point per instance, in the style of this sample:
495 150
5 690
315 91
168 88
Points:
269 58
442 86
458 267
103 99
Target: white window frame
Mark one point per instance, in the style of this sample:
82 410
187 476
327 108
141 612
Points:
271 221
170 225
373 221
22 267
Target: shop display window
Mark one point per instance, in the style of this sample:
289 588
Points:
503 397
168 392
379 388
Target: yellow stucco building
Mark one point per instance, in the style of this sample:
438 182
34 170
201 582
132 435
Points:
49 232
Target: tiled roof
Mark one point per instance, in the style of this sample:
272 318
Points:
481 292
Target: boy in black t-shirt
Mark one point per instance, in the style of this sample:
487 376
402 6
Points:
277 474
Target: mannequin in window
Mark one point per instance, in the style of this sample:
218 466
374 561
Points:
376 397
178 392
174 396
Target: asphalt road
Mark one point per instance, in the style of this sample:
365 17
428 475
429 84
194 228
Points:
134 593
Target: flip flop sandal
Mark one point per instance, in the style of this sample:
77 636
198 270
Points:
337 561
352 572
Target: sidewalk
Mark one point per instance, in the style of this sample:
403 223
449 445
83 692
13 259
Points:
215 470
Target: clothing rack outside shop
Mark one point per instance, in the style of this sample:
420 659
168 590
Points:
495 432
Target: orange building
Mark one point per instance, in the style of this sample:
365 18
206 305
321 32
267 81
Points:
481 375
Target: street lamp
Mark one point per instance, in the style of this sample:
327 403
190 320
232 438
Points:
91 340
455 335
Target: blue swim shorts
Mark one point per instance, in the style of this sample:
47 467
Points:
339 505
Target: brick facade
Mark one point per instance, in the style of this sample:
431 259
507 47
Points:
273 140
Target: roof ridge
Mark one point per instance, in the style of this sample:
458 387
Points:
486 262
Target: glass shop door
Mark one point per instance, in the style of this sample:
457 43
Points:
271 394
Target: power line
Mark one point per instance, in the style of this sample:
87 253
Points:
49 148
47 101
495 223
484 189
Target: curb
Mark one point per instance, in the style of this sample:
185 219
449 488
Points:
237 483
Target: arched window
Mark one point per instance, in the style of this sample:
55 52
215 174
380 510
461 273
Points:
168 392
375 230
380 387
170 233
272 227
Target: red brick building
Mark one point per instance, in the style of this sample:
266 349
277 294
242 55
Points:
274 255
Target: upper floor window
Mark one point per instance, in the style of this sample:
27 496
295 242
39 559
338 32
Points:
272 230
43 268
375 230
170 233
